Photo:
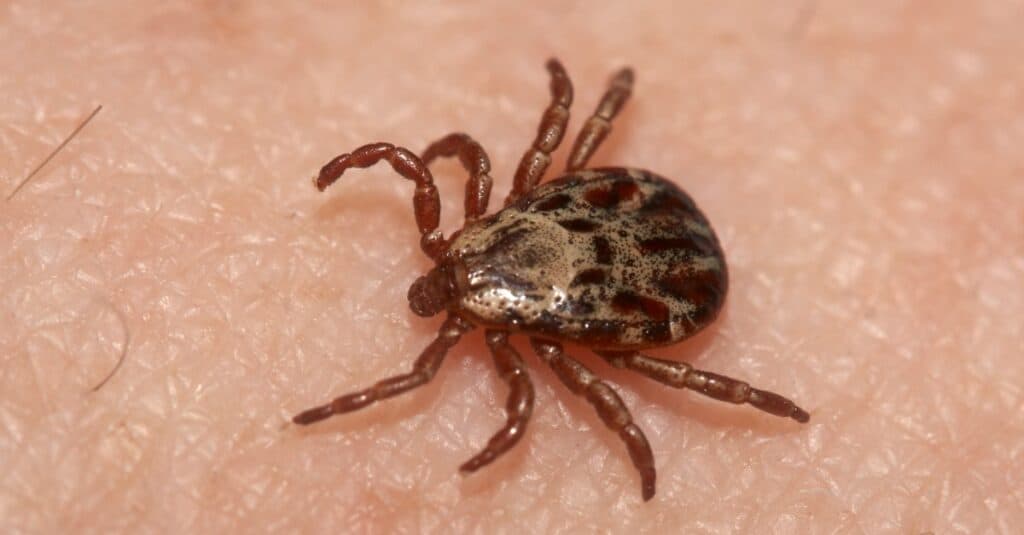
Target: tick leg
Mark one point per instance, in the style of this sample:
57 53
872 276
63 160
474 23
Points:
609 407
549 134
599 124
425 201
682 375
423 370
476 163
518 407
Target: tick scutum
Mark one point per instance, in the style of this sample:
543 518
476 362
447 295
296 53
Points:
613 241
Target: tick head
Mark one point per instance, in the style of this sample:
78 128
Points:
437 290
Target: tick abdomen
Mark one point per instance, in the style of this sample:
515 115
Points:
615 258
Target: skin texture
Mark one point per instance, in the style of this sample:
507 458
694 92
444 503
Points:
859 161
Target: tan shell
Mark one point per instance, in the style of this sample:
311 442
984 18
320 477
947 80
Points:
610 258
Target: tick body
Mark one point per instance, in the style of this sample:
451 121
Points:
615 259
611 258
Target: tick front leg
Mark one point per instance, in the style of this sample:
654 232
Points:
549 134
518 408
423 371
474 160
609 406
426 203
720 387
599 124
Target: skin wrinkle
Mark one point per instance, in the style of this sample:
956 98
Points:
863 179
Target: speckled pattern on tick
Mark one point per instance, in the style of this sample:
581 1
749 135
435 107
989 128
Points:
615 259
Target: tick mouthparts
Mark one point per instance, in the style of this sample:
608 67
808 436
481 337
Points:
431 293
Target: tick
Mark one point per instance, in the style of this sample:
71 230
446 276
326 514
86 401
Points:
615 259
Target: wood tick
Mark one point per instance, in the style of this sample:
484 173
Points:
616 259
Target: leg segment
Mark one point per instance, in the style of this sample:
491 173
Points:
682 375
518 407
422 371
599 124
549 134
476 163
425 202
609 407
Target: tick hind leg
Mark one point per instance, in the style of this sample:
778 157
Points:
474 160
599 124
549 134
518 407
609 406
682 375
425 201
423 371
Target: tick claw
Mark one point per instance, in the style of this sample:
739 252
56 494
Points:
312 415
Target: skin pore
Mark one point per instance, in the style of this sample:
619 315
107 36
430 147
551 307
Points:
859 162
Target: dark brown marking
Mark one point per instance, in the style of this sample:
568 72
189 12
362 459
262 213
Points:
554 202
508 239
625 190
601 332
599 197
660 245
579 307
579 225
603 250
629 302
703 314
659 331
589 276
513 317
609 196
664 202
702 288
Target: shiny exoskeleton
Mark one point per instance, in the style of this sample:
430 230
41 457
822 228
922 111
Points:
611 258
615 259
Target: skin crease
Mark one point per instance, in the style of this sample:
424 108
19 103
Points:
860 162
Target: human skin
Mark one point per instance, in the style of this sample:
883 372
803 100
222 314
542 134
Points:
861 164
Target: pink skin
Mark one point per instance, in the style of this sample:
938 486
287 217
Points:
861 164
